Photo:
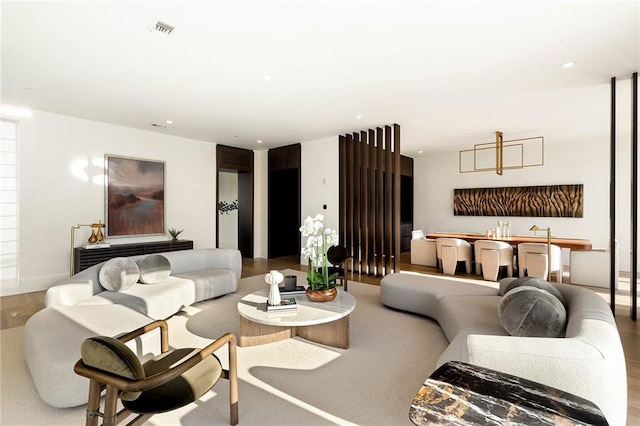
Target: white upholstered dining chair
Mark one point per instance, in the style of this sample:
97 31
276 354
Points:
533 261
423 250
450 251
490 256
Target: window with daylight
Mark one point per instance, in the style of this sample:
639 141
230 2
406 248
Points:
9 204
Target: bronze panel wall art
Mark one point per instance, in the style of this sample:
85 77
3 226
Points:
528 201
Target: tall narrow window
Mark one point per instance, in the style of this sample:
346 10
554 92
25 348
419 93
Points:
8 204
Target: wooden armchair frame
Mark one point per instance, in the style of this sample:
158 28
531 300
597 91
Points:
113 384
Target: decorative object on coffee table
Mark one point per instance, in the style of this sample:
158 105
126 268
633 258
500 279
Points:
291 286
322 295
319 239
274 278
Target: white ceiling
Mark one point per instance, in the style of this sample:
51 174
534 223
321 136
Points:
449 72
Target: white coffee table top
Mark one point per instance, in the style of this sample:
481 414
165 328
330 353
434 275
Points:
253 307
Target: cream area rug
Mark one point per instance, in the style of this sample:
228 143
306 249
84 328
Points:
292 382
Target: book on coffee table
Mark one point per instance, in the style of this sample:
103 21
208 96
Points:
298 290
285 304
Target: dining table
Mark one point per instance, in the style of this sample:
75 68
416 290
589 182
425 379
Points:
514 240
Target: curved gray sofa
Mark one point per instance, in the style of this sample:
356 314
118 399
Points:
78 307
588 361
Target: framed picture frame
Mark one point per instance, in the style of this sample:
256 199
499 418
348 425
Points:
134 196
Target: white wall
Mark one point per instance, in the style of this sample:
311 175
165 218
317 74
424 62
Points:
61 157
228 222
320 180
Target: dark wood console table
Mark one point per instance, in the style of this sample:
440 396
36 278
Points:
464 394
84 258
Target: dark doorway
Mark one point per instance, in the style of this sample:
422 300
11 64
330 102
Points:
237 160
284 201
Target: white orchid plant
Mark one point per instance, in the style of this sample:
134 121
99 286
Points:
319 239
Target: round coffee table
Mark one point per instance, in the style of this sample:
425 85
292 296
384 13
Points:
326 322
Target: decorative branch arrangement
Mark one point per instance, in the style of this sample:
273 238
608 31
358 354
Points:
226 208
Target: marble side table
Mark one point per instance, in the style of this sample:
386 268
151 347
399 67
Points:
464 394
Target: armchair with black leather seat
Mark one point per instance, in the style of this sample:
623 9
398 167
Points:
338 257
168 381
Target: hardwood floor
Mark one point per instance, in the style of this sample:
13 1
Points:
15 310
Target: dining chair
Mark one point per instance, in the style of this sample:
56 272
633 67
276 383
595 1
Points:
533 260
450 251
490 256
423 250
338 256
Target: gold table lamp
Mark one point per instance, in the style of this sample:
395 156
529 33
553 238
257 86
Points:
96 237
535 228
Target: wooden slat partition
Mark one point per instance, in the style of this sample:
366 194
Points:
342 215
370 199
357 211
364 203
379 201
371 234
634 183
612 200
348 192
396 190
388 198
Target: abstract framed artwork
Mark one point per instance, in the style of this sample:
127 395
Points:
529 201
134 196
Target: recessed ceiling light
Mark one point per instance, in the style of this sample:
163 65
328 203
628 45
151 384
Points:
420 152
568 64
266 77
169 122
259 141
358 117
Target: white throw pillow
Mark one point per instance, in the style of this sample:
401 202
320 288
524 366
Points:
119 273
154 269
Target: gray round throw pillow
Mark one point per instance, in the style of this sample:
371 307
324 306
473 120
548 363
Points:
154 269
531 312
540 283
118 274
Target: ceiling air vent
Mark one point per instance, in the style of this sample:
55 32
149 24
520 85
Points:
161 28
